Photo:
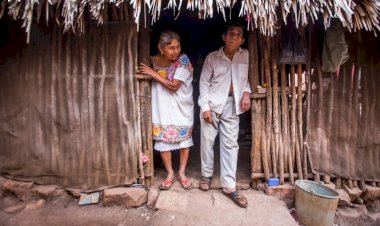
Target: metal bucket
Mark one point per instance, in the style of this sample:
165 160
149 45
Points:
315 203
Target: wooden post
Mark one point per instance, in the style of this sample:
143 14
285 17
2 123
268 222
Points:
308 100
268 125
256 126
276 125
299 113
285 125
145 98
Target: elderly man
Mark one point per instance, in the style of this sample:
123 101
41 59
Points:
224 94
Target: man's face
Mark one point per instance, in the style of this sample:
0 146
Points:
233 38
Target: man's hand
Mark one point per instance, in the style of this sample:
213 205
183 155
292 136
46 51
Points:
246 101
207 116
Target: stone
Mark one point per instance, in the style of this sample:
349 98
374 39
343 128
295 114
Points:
35 204
373 206
261 186
15 208
283 192
46 191
354 193
371 193
344 198
127 197
356 215
152 196
329 185
76 193
173 201
2 180
22 190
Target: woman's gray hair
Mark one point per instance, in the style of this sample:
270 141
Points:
166 37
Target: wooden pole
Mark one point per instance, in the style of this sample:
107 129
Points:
294 145
299 113
256 124
145 89
276 125
286 175
269 101
285 125
308 100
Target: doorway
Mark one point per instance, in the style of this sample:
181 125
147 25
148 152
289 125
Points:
198 38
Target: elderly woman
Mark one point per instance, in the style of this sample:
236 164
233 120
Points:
172 105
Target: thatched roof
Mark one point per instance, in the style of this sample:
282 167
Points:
262 14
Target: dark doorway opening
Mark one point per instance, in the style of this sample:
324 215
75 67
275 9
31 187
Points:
199 37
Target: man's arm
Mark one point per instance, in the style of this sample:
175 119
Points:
204 89
204 85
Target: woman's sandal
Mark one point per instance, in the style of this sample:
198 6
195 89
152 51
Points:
167 183
185 183
238 198
204 183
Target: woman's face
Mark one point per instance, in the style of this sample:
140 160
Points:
171 51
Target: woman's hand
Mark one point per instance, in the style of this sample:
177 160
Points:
144 69
246 101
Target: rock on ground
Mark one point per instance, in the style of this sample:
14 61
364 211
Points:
284 192
357 215
21 190
127 197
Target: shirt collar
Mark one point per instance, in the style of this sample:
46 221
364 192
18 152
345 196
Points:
221 53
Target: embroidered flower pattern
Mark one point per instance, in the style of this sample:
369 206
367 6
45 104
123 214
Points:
171 133
156 130
168 72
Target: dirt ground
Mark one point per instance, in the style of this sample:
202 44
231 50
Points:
66 211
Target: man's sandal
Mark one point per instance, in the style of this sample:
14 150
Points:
167 183
204 183
238 198
185 183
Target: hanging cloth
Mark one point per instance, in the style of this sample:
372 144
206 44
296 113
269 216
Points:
335 49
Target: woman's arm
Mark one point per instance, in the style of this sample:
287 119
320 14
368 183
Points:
171 85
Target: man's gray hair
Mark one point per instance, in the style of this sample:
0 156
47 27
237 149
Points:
166 37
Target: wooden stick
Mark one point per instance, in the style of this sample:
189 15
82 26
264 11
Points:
91 106
269 97
299 116
53 105
256 124
330 108
264 154
101 148
60 109
350 184
256 176
119 104
308 99
71 171
124 122
373 151
276 124
145 86
295 147
285 125
76 101
320 116
338 183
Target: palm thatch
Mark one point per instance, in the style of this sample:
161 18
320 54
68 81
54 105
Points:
262 14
